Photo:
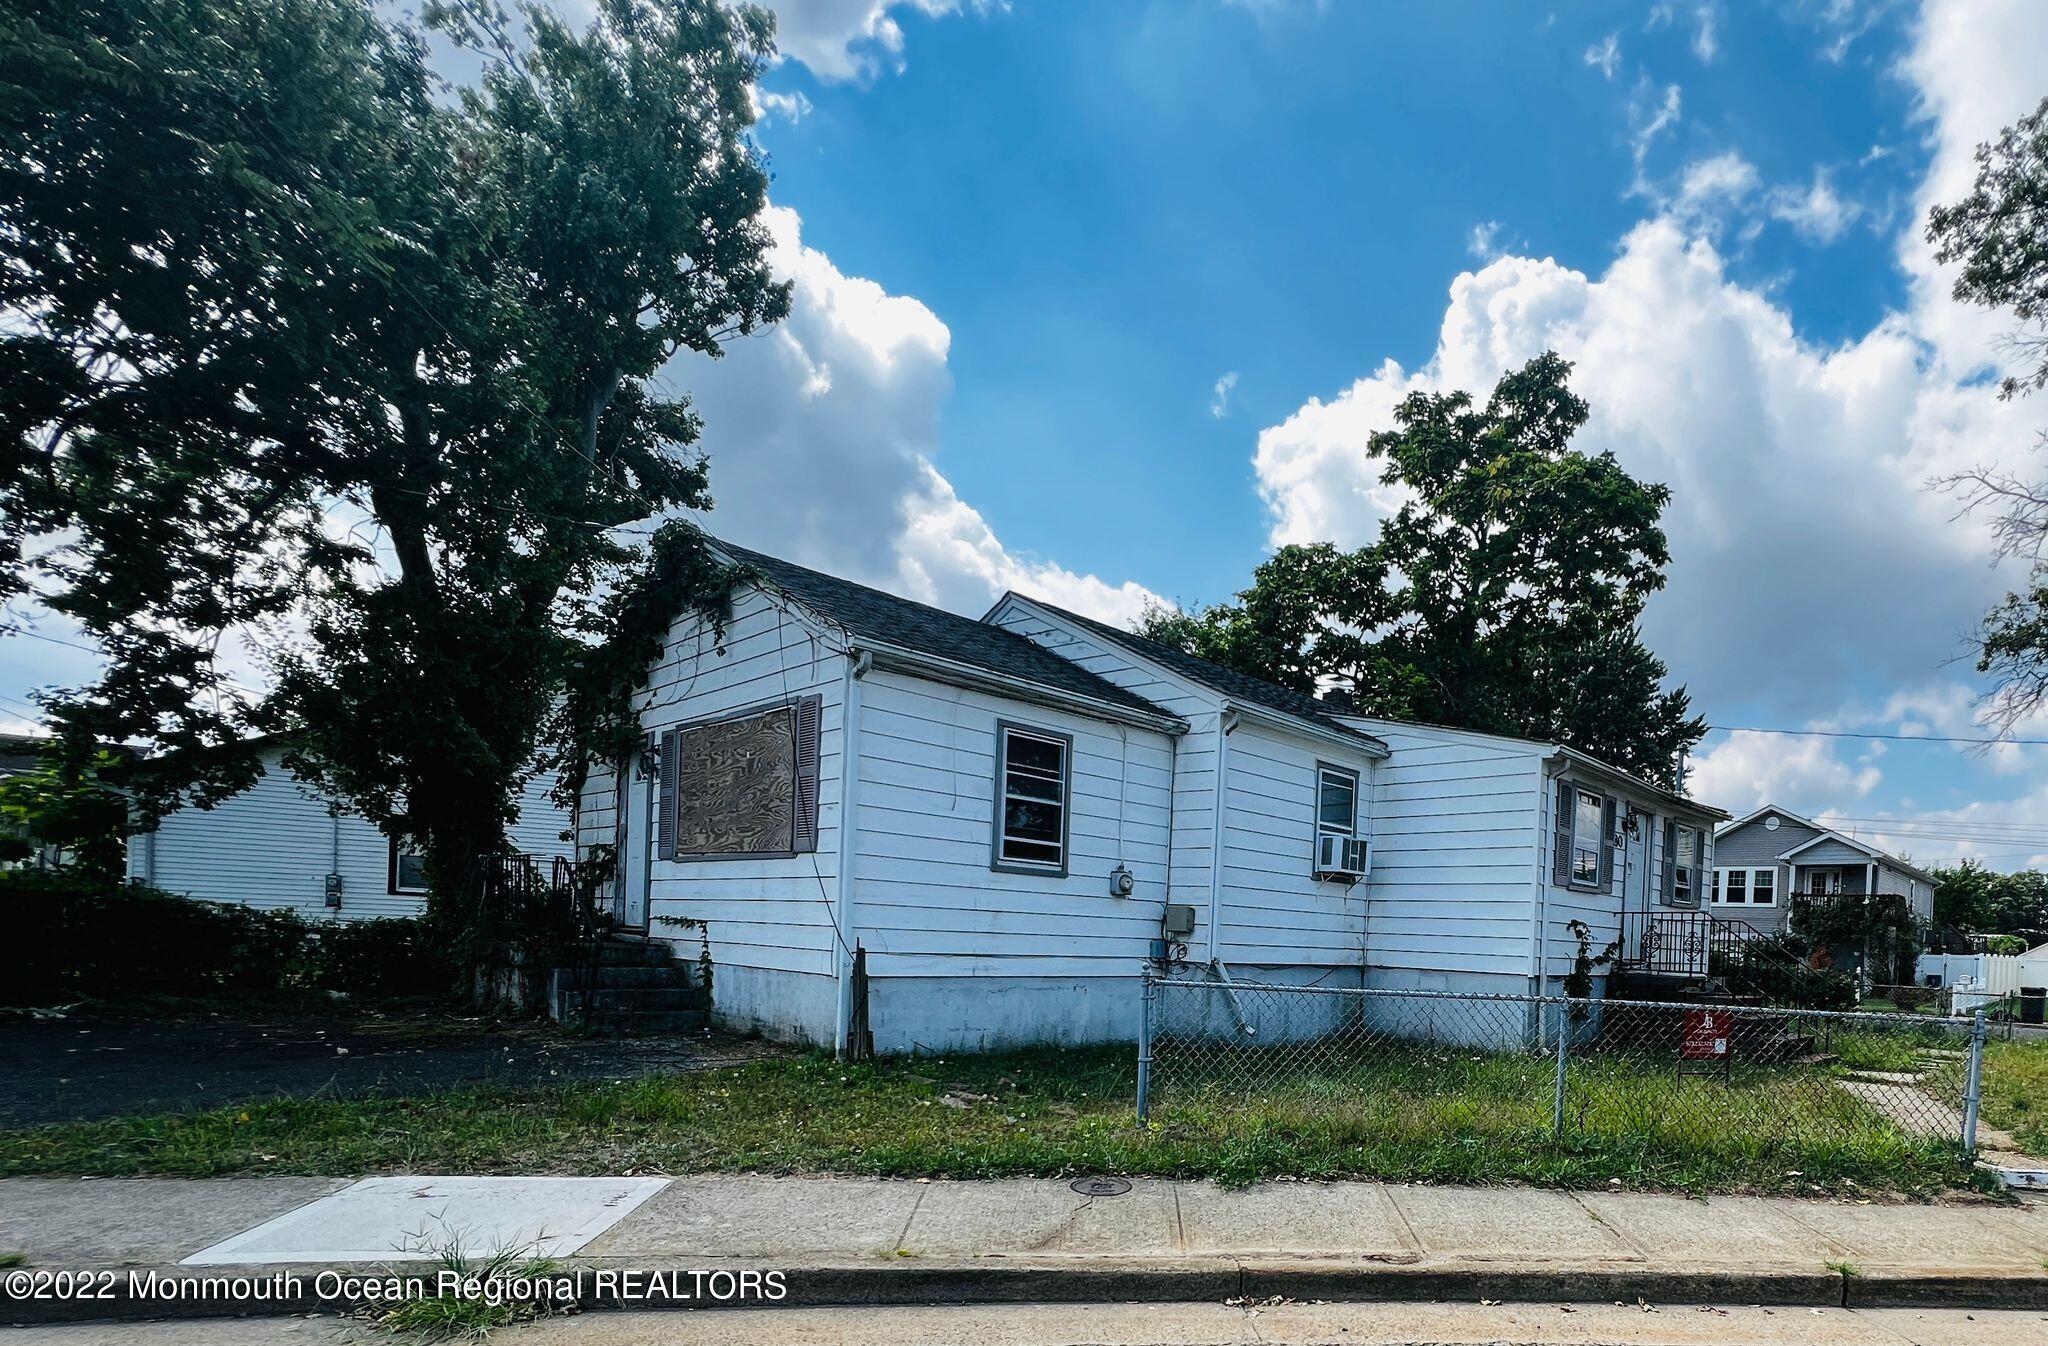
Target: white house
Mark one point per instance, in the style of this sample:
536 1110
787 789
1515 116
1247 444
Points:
974 833
282 844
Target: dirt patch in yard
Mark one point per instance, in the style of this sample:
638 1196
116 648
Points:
80 1068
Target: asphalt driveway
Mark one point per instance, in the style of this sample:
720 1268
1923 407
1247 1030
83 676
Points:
78 1068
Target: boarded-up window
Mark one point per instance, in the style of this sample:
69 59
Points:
736 786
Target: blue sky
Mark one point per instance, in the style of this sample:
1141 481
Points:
1102 301
1111 206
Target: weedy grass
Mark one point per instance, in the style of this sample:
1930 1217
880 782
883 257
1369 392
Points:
1435 1115
466 1317
2015 1093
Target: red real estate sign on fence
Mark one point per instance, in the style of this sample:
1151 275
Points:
1706 1035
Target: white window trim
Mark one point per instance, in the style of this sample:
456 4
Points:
1679 873
1000 862
1600 838
1749 873
1356 779
393 869
1323 772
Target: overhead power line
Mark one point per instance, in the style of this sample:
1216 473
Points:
1896 738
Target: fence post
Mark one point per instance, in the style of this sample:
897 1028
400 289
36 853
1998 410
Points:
1973 1082
1145 1047
1564 1039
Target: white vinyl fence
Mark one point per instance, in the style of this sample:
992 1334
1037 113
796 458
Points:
1978 979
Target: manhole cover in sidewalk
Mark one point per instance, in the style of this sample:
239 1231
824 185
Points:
1100 1186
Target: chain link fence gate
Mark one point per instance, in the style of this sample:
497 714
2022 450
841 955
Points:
1658 1078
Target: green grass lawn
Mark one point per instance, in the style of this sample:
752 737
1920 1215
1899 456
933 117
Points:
1424 1115
2016 1091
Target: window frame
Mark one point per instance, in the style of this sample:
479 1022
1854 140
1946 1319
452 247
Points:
1749 885
1686 878
669 798
1356 778
1581 793
997 861
391 884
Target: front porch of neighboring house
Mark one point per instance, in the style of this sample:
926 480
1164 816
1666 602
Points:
1743 905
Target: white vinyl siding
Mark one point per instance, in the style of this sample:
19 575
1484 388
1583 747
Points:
1456 823
771 914
273 845
1273 911
1194 758
927 903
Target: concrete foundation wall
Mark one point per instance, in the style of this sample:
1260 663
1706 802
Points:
796 1007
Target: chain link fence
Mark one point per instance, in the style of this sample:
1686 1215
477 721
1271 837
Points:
1662 1080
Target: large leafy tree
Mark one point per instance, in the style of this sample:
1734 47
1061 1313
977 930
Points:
1970 898
1502 596
310 345
1998 237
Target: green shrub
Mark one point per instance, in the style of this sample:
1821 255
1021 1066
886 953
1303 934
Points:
1774 968
395 956
2005 944
73 937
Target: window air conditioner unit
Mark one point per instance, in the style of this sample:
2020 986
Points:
1341 857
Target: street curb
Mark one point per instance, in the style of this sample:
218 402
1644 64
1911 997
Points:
1091 1280
1983 1290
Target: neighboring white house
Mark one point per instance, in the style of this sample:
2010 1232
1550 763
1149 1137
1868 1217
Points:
282 844
1003 817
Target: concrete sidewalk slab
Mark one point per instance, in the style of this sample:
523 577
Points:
878 1241
1507 1224
1930 1236
405 1219
1032 1216
769 1218
119 1221
1309 1219
1712 1231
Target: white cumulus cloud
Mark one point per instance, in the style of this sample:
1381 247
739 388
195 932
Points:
822 433
841 40
1805 547
1817 211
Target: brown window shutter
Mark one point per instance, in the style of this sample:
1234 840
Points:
1561 838
810 715
665 828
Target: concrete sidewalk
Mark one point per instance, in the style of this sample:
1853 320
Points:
853 1240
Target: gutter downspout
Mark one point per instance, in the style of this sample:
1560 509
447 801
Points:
1226 722
856 668
1539 897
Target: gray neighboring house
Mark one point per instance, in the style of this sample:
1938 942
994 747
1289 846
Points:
1762 859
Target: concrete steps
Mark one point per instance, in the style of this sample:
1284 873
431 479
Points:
629 988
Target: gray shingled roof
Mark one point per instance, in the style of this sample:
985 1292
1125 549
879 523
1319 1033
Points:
1237 686
920 627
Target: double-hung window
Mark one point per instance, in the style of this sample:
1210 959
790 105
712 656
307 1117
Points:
1033 770
1336 802
1589 835
1685 866
407 869
1746 887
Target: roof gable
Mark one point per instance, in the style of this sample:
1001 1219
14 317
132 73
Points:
871 614
1822 833
1235 686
